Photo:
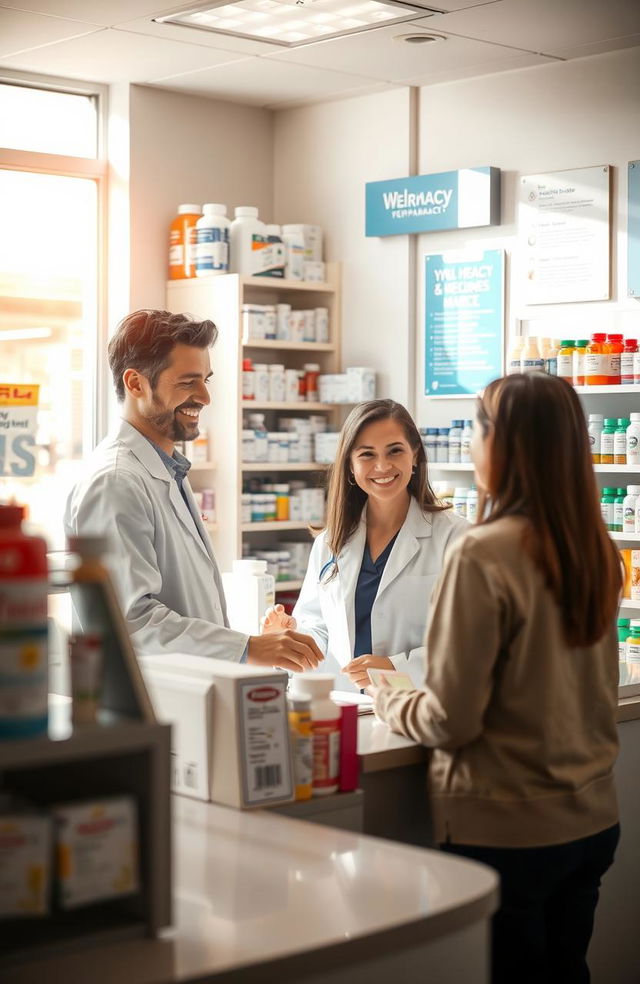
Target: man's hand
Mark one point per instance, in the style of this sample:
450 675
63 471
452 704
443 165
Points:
356 670
276 620
286 649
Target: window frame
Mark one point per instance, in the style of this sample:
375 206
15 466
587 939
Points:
95 169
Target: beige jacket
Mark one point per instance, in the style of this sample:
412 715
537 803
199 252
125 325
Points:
523 727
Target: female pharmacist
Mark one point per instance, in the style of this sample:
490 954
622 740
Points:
371 572
521 682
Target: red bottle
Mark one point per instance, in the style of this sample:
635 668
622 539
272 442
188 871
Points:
24 658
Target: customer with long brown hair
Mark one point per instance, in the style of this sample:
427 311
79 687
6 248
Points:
520 693
371 572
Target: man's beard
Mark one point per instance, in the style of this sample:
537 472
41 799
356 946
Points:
168 424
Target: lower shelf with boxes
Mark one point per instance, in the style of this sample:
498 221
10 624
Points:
84 837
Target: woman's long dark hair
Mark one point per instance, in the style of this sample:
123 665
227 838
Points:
346 500
540 467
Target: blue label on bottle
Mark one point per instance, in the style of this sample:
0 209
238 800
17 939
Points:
212 250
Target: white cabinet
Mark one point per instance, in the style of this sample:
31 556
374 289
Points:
221 299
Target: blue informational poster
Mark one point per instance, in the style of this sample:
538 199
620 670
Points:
633 238
464 321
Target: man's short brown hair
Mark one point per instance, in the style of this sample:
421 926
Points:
145 339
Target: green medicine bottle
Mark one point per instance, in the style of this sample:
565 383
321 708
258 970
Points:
618 510
607 440
607 504
623 634
620 441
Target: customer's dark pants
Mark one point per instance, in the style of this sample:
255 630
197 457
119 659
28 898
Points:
542 930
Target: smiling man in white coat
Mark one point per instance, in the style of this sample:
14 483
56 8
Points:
136 491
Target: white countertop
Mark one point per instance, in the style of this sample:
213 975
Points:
256 888
379 748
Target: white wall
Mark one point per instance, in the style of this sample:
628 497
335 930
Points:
323 156
561 115
189 149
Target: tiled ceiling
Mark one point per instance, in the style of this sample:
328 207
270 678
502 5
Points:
117 40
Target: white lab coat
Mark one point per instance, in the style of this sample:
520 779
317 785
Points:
163 568
326 608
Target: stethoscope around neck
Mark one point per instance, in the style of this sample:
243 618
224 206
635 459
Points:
327 569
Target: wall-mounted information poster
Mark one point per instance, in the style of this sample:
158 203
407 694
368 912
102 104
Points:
565 236
464 321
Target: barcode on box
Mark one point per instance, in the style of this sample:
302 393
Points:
268 776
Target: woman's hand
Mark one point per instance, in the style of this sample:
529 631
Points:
276 620
356 670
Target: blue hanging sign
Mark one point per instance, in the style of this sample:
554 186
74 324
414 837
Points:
460 199
464 321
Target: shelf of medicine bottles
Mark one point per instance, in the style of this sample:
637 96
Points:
279 283
597 390
625 537
203 466
295 405
288 586
618 469
274 524
277 343
465 466
289 466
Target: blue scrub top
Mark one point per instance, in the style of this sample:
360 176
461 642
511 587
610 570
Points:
366 590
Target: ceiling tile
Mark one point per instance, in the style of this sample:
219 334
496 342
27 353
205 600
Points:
262 82
116 56
20 31
378 55
598 47
546 25
504 64
105 13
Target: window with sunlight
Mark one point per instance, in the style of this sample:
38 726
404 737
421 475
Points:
49 263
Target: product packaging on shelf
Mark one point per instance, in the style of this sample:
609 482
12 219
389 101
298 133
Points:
25 864
97 850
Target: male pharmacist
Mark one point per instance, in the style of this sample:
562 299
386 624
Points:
136 491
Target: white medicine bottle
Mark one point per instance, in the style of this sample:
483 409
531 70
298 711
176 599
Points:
325 729
248 240
212 240
633 440
530 358
629 507
465 442
249 590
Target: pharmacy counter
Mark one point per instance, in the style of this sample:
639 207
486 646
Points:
262 898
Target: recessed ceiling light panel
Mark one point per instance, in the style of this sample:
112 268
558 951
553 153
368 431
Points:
291 23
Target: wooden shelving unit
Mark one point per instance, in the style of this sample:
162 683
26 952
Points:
221 299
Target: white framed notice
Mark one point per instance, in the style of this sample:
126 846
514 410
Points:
565 235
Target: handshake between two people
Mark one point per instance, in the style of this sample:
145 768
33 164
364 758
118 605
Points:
281 645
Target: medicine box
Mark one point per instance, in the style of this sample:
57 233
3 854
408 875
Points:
230 739
25 865
97 850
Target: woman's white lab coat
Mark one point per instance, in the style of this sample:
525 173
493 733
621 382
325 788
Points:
326 607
